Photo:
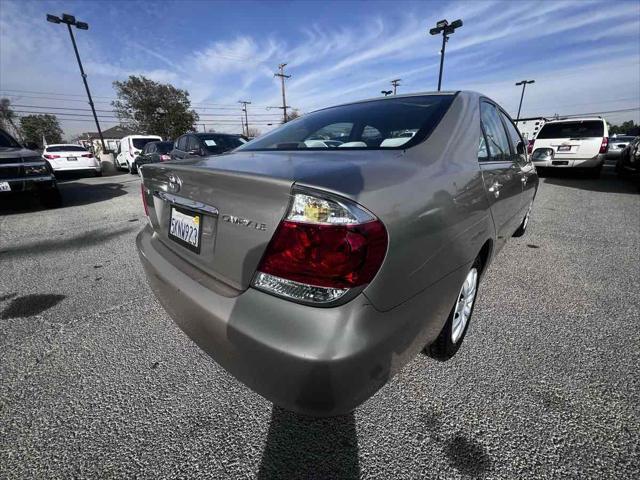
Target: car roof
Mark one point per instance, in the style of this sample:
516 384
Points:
405 95
206 134
576 119
142 136
64 145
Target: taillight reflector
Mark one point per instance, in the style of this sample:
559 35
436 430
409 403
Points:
144 200
51 157
530 146
604 145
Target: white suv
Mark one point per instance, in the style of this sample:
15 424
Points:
572 143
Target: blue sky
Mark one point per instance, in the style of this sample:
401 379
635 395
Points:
584 55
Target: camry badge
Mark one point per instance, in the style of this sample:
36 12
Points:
244 222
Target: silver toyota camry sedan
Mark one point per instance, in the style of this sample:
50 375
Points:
315 261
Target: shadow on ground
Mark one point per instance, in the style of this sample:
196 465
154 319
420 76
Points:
75 192
30 305
609 181
305 447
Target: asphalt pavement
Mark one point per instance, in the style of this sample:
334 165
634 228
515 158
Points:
96 381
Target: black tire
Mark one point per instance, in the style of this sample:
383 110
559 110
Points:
443 348
594 172
133 169
97 173
51 198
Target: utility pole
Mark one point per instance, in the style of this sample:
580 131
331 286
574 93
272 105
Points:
395 83
70 20
446 28
524 85
246 118
284 98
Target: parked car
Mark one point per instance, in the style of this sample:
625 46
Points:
71 157
153 152
193 145
313 274
23 170
580 143
130 148
629 160
617 145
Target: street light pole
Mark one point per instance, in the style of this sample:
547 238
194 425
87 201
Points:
70 20
446 28
395 84
524 85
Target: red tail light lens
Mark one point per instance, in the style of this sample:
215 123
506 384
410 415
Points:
324 247
87 155
51 157
165 158
604 146
144 200
530 147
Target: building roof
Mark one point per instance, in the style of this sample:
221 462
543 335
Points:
116 132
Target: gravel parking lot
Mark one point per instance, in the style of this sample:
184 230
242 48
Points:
97 381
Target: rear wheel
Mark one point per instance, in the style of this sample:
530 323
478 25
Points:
448 342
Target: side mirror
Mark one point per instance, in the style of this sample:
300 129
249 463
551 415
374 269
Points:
520 148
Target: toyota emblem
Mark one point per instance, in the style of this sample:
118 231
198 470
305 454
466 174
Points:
174 183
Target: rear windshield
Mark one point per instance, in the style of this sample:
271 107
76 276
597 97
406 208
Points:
374 125
66 148
164 147
577 129
221 143
7 141
139 143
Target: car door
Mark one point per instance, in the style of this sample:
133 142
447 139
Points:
527 173
193 147
501 175
179 148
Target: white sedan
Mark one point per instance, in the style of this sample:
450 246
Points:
71 157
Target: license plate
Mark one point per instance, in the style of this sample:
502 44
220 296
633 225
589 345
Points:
5 187
564 148
185 228
71 159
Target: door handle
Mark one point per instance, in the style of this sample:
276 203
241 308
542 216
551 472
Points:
524 179
495 189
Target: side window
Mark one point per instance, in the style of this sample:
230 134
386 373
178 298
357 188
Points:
181 143
483 153
192 143
497 140
516 138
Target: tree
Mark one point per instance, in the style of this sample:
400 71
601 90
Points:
34 128
293 114
8 116
154 108
626 128
253 132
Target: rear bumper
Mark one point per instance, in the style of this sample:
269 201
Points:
24 184
553 162
315 361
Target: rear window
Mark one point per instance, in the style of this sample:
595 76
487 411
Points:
577 129
376 125
220 143
139 143
66 148
164 147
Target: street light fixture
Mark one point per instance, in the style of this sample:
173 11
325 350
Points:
446 28
524 85
70 20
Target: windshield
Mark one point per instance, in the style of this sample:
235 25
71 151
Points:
377 124
221 143
139 143
577 129
66 148
620 138
7 141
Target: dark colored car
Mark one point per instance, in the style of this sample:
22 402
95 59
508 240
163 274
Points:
314 274
193 145
629 160
617 145
153 152
23 170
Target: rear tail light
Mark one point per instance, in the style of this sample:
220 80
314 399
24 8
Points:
530 147
87 155
51 157
324 247
165 158
604 145
144 199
